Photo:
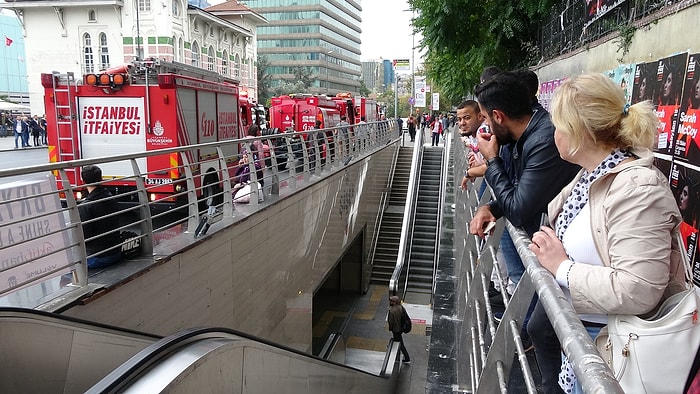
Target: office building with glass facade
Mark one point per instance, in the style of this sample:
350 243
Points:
320 36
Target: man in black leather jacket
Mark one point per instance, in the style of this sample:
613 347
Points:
522 185
536 172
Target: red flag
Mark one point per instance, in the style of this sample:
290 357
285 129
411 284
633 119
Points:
8 41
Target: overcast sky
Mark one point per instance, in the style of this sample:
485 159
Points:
386 30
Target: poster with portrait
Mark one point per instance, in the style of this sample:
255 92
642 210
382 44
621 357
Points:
643 82
687 144
668 81
622 75
685 184
597 8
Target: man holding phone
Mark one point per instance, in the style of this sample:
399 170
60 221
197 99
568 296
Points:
535 173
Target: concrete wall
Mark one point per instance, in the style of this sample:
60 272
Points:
676 32
258 275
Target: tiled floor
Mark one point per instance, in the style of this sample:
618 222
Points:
366 333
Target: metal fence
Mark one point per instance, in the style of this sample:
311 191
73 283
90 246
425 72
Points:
41 232
566 29
488 350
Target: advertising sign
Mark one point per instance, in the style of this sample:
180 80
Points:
32 230
402 64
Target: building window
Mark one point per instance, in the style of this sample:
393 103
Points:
92 16
104 52
237 66
211 58
145 5
176 8
195 54
224 64
87 54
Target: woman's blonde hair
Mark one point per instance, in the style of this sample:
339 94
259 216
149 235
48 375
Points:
593 105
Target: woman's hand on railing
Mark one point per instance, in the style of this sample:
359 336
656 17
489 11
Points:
548 249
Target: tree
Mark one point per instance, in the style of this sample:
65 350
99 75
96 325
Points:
302 74
286 88
264 79
364 92
459 45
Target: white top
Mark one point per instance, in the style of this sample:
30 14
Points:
579 245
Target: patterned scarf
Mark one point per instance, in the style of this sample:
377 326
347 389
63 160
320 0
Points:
579 194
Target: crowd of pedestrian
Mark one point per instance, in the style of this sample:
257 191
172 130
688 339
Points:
582 184
28 131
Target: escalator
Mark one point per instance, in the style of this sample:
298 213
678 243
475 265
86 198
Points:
44 352
387 247
424 237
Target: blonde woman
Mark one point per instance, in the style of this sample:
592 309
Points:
610 241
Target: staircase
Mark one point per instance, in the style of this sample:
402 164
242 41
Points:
423 247
390 232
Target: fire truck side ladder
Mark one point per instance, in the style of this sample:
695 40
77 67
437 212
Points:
65 90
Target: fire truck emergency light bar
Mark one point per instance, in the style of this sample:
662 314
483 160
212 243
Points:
114 81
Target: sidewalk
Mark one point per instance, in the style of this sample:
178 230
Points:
8 143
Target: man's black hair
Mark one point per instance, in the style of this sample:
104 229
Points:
91 174
507 93
531 82
469 103
489 72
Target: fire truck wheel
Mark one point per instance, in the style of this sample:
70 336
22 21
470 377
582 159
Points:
211 189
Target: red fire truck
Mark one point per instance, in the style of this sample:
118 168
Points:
357 107
299 112
144 106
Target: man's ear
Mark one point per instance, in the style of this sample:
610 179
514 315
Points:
498 116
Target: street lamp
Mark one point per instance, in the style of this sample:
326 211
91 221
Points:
413 61
396 93
327 66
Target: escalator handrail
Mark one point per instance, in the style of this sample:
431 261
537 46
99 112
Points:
329 346
387 356
130 370
125 374
7 312
444 176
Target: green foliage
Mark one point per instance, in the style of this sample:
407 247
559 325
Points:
624 40
264 79
302 74
364 92
462 37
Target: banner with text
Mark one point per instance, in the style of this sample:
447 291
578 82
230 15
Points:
419 82
402 64
436 101
33 233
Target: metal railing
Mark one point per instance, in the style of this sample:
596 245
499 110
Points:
566 30
41 233
383 203
489 349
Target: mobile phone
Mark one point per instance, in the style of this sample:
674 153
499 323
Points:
544 220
